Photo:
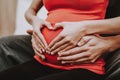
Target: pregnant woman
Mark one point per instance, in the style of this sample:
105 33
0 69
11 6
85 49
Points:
71 12
64 43
71 16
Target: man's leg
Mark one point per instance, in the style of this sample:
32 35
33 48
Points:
113 66
15 50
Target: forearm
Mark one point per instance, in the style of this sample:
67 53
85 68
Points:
33 10
115 42
107 26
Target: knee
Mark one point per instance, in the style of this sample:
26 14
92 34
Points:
12 40
3 41
6 39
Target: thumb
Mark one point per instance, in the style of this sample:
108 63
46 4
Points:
29 31
48 25
58 25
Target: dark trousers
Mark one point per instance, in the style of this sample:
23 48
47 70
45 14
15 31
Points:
17 63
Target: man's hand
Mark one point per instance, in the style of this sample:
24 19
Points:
89 50
68 38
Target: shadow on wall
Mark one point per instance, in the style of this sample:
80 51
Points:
21 23
7 17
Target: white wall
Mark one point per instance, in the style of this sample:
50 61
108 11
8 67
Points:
21 23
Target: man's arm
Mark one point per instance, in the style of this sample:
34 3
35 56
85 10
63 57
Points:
115 42
107 26
32 10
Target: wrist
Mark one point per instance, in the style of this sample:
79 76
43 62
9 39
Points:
114 43
33 17
82 28
87 27
96 26
30 15
117 41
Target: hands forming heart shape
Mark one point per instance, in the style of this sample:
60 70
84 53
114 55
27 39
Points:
69 44
67 39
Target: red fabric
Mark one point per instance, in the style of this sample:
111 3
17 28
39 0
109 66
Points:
72 10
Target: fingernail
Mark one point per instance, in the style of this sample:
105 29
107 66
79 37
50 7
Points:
58 58
52 53
43 50
43 57
59 53
47 51
63 62
51 28
48 48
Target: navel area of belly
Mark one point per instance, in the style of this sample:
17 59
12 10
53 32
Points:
49 35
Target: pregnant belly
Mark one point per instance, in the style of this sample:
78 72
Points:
51 60
49 35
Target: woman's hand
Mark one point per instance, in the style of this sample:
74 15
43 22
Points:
89 50
38 42
35 44
68 38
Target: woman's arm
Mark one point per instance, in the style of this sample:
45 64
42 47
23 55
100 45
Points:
107 26
38 42
32 10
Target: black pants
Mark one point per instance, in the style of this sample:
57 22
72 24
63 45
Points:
17 63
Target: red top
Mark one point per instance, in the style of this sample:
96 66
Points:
72 10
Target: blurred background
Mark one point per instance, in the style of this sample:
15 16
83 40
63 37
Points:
12 20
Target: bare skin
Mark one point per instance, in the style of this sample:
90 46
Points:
90 49
83 29
38 42
71 37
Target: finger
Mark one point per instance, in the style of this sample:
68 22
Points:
44 43
58 26
39 54
37 50
54 41
48 25
35 46
73 57
88 59
59 48
74 51
38 42
58 44
30 32
84 40
79 61
66 49
95 59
